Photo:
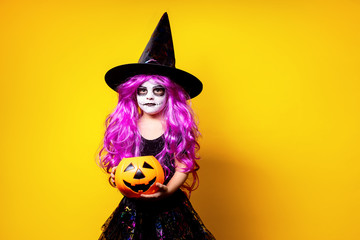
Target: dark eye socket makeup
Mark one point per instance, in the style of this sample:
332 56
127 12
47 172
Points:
142 91
158 90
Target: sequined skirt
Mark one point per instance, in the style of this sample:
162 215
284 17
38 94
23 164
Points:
167 219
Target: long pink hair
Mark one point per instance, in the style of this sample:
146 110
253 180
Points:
122 138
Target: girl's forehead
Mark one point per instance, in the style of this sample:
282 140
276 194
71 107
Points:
151 83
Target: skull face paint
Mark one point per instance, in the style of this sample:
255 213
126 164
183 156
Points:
151 97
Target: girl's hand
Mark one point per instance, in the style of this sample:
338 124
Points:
175 182
112 177
161 193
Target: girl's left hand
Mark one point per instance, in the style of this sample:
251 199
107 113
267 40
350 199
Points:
161 193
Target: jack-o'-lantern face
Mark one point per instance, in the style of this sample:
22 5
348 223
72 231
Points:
138 175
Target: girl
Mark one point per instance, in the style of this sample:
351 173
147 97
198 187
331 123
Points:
152 117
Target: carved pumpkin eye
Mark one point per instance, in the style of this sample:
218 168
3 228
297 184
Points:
146 165
130 167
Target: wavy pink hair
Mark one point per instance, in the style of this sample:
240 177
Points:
122 138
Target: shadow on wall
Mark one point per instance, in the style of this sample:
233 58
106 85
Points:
225 199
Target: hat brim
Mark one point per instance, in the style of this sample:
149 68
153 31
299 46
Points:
118 75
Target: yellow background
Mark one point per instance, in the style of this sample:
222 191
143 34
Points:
279 113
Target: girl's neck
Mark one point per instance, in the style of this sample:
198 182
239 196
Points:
151 126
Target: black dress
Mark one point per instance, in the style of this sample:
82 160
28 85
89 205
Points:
166 219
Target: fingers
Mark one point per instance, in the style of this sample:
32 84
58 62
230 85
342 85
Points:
113 170
161 193
112 176
162 187
151 196
112 182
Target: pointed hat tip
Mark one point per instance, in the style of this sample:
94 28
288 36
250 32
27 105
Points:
165 16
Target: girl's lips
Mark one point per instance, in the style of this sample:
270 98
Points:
149 104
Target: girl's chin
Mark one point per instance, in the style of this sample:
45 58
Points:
153 110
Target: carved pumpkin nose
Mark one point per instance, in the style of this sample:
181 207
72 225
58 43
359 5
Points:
139 174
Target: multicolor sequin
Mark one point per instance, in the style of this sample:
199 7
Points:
168 219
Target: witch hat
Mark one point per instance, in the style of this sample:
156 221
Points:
158 58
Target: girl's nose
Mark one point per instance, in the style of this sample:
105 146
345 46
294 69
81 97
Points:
150 96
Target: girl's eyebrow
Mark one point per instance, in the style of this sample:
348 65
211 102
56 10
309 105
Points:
159 86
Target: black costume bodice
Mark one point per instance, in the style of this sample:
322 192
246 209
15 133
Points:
154 147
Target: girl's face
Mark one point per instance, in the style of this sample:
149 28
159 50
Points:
151 97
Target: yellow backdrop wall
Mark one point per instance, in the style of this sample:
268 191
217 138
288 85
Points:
279 113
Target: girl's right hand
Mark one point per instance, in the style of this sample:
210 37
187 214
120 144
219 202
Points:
112 177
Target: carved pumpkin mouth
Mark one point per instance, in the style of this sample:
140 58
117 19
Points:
140 187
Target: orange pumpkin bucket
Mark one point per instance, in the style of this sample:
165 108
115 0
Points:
138 175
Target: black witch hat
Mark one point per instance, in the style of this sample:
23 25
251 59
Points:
157 59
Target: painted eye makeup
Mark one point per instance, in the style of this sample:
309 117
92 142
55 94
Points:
141 91
159 91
